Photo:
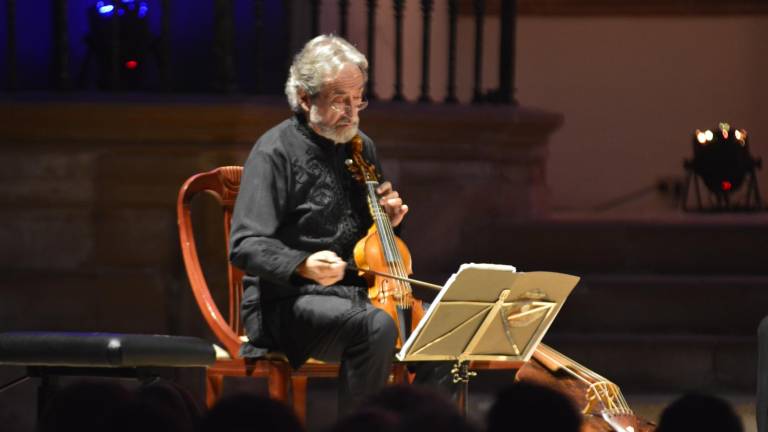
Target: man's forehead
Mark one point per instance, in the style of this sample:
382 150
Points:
348 80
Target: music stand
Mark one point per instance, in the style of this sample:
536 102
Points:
487 312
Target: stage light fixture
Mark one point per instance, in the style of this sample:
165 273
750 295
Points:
722 162
105 9
119 40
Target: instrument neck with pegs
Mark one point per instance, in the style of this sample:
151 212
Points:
391 260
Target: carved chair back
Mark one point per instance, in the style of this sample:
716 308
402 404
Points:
223 183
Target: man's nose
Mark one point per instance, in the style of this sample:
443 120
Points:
350 112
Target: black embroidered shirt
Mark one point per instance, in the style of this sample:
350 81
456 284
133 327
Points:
296 198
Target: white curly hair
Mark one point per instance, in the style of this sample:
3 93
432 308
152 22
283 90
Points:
319 61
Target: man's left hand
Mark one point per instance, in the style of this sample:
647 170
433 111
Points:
392 203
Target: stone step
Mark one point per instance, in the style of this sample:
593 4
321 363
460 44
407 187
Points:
658 304
666 362
101 300
679 243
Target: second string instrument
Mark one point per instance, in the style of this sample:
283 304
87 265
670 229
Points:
381 251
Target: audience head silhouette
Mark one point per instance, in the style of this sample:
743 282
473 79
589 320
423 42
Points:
87 406
527 407
158 407
368 420
417 409
91 406
700 413
84 406
242 412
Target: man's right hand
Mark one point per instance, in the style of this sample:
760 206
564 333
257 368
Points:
324 267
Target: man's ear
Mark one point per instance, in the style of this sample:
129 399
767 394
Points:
304 101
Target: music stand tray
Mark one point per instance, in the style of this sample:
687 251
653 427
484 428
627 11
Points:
488 312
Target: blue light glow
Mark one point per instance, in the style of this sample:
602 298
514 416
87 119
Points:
104 10
143 9
128 1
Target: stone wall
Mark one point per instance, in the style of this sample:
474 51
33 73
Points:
89 190
90 243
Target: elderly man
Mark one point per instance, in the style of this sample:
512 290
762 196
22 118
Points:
297 218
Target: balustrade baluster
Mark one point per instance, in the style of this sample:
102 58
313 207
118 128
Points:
11 44
479 8
223 46
453 14
426 15
259 36
507 52
114 62
287 25
343 17
61 76
314 7
165 45
399 5
371 12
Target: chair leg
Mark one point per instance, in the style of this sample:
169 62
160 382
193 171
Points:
278 381
399 375
299 387
214 385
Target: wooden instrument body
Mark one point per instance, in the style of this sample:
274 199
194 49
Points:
369 256
380 251
597 417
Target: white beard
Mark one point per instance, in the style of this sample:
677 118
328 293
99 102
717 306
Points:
338 136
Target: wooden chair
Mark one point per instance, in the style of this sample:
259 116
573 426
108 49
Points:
224 183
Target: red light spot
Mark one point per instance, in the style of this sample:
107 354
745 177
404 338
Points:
131 64
726 185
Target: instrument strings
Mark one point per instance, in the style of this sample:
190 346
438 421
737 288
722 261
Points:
402 291
594 380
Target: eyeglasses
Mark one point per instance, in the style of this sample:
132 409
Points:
346 108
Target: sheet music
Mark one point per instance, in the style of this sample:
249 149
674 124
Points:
483 266
488 312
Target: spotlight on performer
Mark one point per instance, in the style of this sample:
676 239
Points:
119 39
721 160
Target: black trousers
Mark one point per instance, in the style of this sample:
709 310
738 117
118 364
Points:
362 338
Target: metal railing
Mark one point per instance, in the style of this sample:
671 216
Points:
115 71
